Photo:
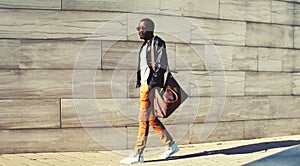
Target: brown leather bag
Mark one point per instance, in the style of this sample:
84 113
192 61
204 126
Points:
169 98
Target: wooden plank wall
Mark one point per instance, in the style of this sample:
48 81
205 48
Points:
50 49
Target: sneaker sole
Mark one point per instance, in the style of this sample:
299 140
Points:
130 163
141 160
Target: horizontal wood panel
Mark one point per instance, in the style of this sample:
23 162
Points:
269 83
125 112
267 35
211 132
60 54
296 83
271 128
104 5
62 84
218 32
31 4
99 113
52 54
257 10
9 53
297 14
297 36
236 58
111 5
58 140
202 83
285 106
110 84
16 114
283 12
120 55
278 60
190 57
200 8
44 24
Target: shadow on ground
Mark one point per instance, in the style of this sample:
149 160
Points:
238 150
289 157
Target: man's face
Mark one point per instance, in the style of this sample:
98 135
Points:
143 30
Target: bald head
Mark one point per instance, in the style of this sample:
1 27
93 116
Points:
146 28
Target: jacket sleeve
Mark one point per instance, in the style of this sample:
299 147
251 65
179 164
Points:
161 64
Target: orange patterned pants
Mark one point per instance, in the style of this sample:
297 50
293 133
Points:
147 118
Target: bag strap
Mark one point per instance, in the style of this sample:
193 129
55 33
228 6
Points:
152 54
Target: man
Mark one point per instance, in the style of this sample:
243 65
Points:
147 79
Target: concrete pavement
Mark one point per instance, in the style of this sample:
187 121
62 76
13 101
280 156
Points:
226 153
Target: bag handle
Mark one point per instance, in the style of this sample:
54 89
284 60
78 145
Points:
174 94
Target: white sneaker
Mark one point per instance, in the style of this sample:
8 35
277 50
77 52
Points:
170 151
133 159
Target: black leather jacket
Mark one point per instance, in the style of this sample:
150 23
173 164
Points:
156 78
